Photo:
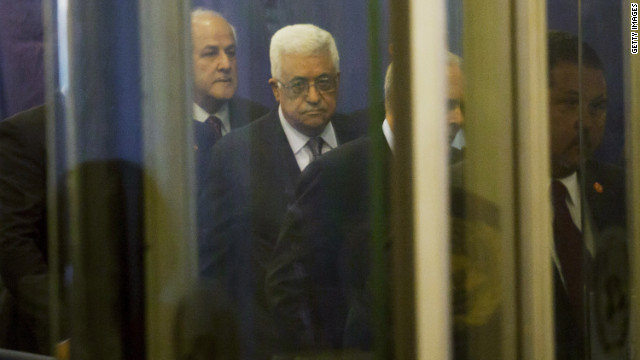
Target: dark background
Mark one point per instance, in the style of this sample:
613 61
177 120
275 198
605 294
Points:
21 48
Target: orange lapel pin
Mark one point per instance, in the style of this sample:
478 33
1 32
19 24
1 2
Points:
597 187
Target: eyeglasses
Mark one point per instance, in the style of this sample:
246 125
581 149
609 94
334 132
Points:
324 84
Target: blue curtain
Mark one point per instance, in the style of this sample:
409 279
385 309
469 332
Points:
21 56
257 20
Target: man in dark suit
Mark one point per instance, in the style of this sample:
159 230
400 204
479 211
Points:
216 111
254 170
319 282
455 107
23 232
589 208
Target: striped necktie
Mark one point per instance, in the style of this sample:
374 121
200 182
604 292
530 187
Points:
216 126
315 145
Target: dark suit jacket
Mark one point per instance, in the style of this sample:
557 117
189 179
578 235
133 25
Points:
319 282
241 113
23 229
607 205
251 180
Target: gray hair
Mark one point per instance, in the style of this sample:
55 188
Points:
301 39
201 11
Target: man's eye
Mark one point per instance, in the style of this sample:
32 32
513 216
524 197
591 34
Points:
598 106
571 102
231 53
210 53
324 85
297 86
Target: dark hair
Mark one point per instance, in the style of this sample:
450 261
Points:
564 47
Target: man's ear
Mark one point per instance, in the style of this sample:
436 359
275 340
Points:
274 87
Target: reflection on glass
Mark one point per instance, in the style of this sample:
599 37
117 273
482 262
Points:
24 262
478 286
589 257
284 231
455 107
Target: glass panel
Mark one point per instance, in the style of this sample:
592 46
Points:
483 186
24 264
590 255
291 224
101 182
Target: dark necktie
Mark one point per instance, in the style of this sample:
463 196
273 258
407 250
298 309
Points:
216 126
315 145
571 252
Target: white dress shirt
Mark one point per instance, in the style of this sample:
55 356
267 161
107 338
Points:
459 140
298 141
199 114
388 134
573 198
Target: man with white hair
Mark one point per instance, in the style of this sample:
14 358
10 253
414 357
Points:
254 170
319 281
216 109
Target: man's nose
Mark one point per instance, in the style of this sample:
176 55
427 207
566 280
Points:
313 95
225 62
454 116
588 116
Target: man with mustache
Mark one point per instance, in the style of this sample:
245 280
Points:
216 111
319 282
588 201
254 170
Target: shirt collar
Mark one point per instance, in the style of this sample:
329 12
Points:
298 140
459 140
573 190
201 115
388 134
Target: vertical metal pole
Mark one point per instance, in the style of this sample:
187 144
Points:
104 178
532 138
403 299
490 159
54 155
170 256
429 152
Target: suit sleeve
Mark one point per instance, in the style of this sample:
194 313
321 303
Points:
303 283
23 226
221 223
287 286
22 206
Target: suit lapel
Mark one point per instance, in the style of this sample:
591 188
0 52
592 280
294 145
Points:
597 194
276 155
203 137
